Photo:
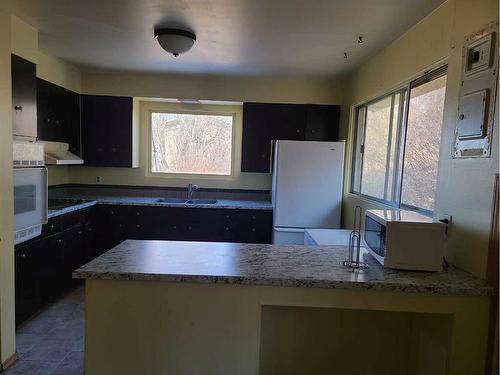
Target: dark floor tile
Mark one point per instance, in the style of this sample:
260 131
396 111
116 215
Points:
71 365
26 367
40 324
50 350
26 341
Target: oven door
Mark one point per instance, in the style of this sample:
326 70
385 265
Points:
30 198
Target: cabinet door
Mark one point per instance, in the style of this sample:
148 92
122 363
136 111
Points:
74 256
107 130
112 227
264 123
26 287
93 246
23 97
322 123
58 112
50 267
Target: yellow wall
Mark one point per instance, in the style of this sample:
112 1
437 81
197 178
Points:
7 319
59 72
465 186
24 40
236 89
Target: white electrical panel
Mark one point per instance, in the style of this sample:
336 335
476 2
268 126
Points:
478 91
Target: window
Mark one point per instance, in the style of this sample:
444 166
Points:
396 144
188 143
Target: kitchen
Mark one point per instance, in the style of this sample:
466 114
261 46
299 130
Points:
118 114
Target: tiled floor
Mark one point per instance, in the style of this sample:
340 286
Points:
52 342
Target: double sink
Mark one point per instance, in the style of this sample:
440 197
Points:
186 201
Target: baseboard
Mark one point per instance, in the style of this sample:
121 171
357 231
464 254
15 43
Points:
9 362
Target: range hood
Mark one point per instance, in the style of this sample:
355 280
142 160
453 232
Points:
57 153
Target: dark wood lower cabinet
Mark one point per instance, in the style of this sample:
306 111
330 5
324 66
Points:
43 266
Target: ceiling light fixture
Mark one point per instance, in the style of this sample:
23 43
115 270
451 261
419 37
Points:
175 41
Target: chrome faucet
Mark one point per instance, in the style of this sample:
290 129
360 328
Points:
190 190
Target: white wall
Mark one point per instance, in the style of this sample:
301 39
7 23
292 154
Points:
465 186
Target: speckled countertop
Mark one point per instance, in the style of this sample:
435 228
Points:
146 201
267 265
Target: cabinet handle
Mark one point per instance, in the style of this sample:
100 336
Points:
227 229
79 232
59 241
23 256
52 226
228 216
18 108
253 229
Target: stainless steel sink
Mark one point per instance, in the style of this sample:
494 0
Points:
201 201
171 200
186 201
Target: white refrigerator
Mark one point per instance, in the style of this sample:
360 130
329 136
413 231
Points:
307 188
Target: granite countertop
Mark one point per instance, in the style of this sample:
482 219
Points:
267 265
146 201
78 206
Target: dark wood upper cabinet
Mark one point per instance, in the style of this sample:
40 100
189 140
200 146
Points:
322 123
264 123
23 97
107 131
58 112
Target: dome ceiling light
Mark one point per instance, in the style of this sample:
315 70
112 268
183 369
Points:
175 41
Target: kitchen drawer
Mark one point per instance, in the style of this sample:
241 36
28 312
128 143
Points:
71 220
52 227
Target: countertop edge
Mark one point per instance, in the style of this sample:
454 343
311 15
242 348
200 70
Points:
485 291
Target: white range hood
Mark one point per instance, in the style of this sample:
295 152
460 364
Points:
57 153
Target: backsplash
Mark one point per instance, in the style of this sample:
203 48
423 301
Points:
69 190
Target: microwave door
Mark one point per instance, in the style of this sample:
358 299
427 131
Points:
30 197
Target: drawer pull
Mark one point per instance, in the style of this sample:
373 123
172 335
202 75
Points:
253 229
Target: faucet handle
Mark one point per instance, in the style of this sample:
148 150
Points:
195 187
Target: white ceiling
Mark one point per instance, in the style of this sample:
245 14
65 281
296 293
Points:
289 38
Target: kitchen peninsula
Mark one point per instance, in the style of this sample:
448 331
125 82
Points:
224 308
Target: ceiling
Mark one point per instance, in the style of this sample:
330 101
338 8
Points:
286 38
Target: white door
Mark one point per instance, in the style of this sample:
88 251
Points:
307 184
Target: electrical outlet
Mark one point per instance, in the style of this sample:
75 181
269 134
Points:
98 179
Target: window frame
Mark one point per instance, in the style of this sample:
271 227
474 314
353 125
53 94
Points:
400 144
212 110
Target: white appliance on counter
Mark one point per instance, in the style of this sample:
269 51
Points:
405 239
307 188
30 190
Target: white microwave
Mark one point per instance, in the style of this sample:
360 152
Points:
30 190
405 239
